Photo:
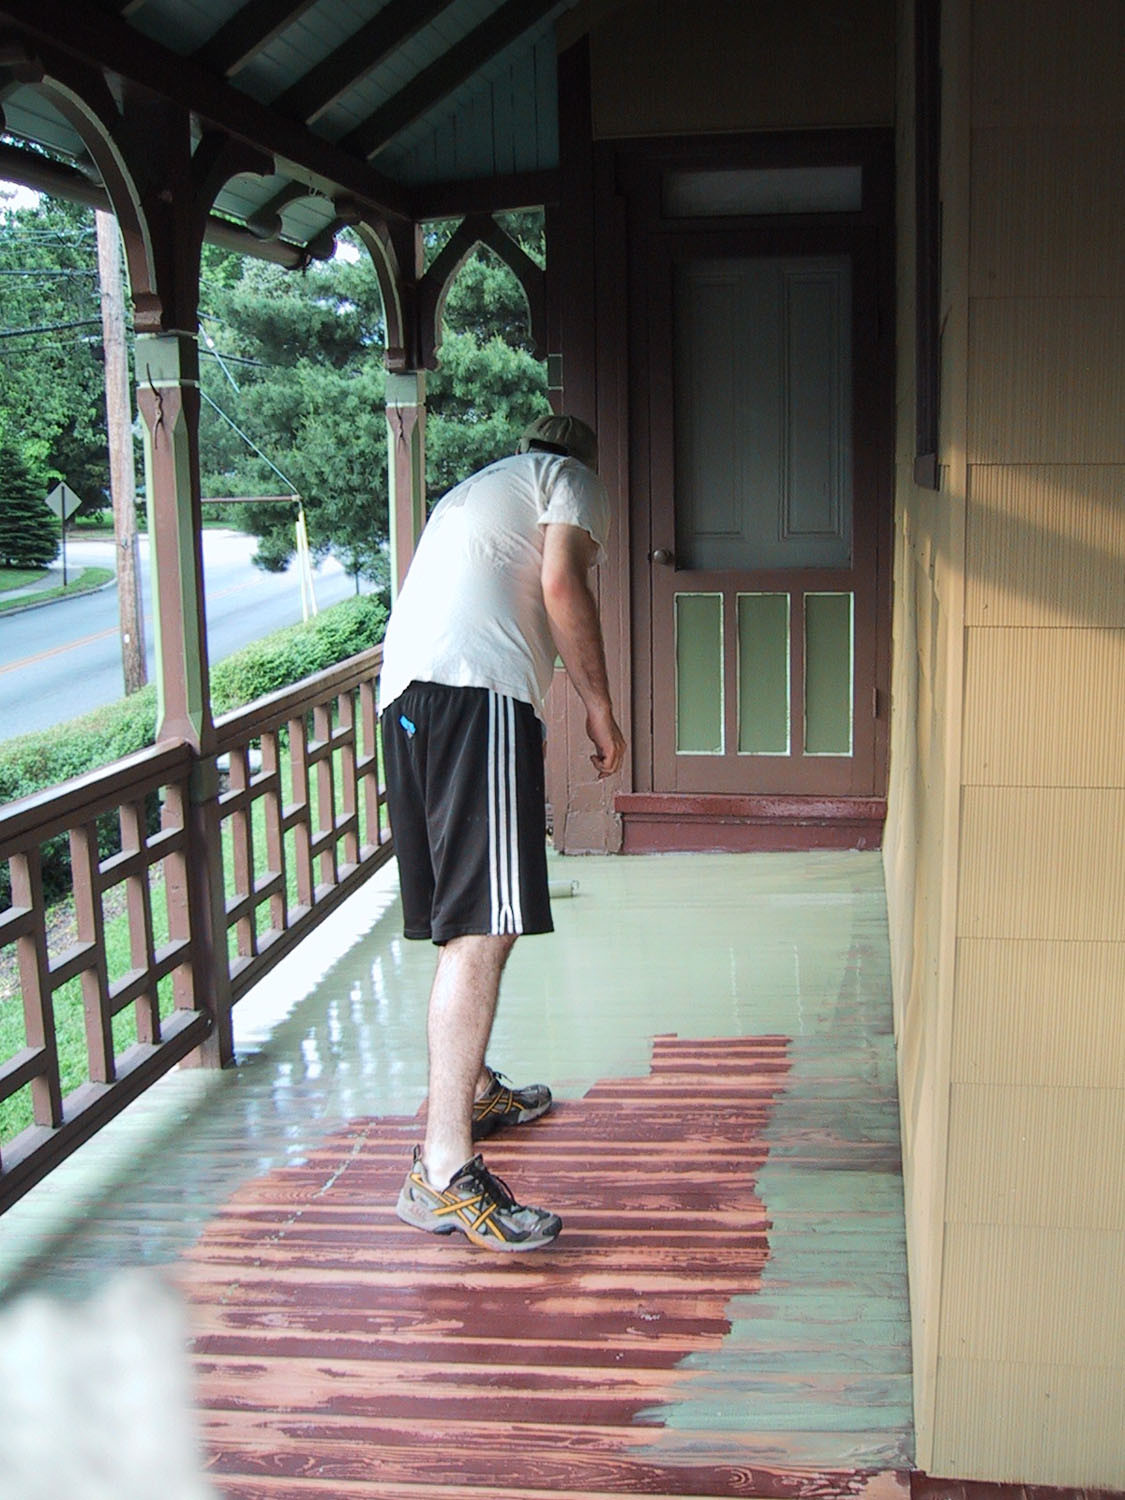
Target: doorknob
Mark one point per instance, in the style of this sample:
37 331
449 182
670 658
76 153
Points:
664 556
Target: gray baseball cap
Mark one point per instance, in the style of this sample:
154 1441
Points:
566 435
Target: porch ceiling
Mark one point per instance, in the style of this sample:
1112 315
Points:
395 103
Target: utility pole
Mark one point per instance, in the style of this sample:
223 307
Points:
122 476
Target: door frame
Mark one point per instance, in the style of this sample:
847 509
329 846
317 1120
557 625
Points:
633 172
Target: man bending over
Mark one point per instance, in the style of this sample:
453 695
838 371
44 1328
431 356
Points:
498 585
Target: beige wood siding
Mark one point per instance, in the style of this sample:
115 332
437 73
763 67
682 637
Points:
656 70
1019 1315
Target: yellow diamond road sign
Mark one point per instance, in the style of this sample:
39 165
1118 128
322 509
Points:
63 501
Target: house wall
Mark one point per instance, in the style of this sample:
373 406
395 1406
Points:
1004 855
656 70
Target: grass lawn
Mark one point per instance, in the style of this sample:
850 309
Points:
19 578
88 579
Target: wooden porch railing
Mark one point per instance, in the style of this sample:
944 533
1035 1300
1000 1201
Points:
299 810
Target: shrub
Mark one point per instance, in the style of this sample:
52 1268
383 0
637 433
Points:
287 655
32 762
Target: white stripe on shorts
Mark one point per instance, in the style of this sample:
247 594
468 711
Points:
503 821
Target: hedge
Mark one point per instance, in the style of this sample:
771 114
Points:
34 761
297 651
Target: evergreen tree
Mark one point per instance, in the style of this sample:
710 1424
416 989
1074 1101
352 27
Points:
488 385
51 375
28 531
294 362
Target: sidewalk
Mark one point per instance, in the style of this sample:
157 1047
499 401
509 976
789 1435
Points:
81 554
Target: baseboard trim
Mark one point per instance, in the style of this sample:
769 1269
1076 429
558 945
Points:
657 822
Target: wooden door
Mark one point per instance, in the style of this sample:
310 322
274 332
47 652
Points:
761 423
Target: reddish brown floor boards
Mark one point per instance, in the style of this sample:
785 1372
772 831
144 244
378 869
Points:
338 1352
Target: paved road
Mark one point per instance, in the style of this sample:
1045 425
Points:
63 659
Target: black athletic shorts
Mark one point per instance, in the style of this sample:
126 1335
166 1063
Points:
466 797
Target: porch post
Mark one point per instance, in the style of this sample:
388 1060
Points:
168 397
406 468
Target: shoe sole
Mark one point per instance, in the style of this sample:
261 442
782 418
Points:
419 1217
484 1128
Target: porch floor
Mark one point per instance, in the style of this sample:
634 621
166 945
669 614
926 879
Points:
726 1310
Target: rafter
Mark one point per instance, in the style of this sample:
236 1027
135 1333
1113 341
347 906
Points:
364 50
447 73
103 41
252 27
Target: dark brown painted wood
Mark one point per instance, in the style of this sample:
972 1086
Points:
452 200
658 822
105 41
631 176
337 1351
351 838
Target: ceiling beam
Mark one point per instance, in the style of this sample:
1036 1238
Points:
58 180
100 39
123 7
363 51
487 195
433 84
252 27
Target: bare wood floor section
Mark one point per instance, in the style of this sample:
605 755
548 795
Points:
340 1353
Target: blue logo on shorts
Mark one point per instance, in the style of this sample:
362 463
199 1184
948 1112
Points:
406 724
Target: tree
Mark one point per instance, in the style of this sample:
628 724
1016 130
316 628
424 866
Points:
51 372
296 365
295 361
488 384
28 534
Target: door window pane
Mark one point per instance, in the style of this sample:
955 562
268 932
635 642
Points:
829 673
699 674
763 674
763 190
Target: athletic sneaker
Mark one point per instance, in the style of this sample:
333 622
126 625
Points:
501 1104
476 1203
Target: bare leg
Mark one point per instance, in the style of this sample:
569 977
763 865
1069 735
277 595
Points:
462 1007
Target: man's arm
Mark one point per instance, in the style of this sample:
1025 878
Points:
568 555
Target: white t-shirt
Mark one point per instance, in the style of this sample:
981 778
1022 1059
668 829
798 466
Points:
471 612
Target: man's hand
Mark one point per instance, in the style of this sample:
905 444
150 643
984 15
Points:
608 741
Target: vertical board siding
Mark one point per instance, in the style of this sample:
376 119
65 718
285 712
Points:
1031 1338
1043 862
1017 734
1046 546
991 1327
1006 1418
1028 181
1040 1013
1047 380
1041 1174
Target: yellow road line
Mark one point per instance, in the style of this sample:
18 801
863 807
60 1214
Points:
30 661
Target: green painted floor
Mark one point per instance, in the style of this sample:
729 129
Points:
699 946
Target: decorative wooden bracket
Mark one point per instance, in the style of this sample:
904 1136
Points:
433 288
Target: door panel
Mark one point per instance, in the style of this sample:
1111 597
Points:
762 399
763 591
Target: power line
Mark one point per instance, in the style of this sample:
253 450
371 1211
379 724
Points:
48 271
249 441
19 333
